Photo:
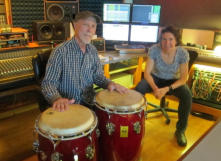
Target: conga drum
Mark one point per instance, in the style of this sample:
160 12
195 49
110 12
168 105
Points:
67 136
121 124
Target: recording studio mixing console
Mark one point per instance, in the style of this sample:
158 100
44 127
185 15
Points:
206 55
16 67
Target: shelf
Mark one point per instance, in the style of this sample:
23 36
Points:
13 48
12 39
123 65
11 33
16 38
15 31
123 69
123 79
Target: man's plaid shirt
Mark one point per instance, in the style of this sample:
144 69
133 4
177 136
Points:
70 73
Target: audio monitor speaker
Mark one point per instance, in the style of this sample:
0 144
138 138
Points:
61 10
50 31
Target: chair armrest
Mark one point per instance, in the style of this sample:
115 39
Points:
39 63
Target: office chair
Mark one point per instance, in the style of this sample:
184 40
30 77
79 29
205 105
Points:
163 107
39 63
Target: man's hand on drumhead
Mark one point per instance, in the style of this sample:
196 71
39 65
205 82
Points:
61 104
117 87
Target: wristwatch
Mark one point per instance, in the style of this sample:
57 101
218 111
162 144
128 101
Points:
170 89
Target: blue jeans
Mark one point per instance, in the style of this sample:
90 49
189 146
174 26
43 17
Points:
183 93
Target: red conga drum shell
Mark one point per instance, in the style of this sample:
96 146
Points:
123 116
67 135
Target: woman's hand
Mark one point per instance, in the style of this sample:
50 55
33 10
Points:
160 92
61 104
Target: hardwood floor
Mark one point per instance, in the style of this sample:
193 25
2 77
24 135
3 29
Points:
16 135
159 143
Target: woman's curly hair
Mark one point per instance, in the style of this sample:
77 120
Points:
174 31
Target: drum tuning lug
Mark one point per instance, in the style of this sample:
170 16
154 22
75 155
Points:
75 154
35 146
98 133
56 156
75 157
55 143
139 114
145 114
137 127
89 152
109 116
43 156
110 128
90 138
75 150
35 133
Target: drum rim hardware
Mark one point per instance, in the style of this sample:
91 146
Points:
137 127
35 148
110 127
56 156
68 137
98 133
75 157
112 101
43 155
89 152
124 109
141 108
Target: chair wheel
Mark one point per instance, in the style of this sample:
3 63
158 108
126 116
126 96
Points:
168 121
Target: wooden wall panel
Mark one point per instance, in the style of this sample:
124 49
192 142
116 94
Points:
195 14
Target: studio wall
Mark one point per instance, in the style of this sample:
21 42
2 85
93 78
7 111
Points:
195 14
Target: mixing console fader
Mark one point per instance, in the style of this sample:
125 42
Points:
16 65
17 68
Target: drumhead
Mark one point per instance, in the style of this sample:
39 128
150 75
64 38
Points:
131 101
75 120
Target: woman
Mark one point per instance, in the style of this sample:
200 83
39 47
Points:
167 72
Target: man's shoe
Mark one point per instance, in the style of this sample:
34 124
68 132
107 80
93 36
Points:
181 138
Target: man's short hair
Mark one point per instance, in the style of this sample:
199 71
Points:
86 14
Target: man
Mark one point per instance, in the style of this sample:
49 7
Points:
74 66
